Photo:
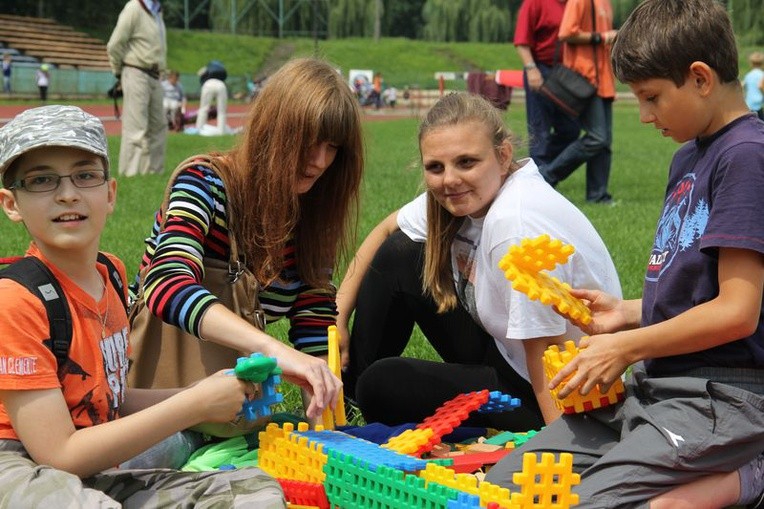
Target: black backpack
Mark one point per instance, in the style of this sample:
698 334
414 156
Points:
39 280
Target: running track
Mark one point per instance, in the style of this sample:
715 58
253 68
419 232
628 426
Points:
236 114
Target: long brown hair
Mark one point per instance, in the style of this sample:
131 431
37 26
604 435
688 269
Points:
453 109
303 103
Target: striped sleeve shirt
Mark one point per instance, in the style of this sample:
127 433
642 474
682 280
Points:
196 228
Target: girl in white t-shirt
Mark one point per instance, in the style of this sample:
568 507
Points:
434 263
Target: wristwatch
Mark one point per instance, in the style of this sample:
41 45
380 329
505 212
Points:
530 66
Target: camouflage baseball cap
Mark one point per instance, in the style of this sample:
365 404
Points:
51 126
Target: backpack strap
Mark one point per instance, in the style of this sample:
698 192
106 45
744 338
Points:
114 277
236 262
32 273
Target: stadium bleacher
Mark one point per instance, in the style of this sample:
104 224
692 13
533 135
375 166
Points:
32 41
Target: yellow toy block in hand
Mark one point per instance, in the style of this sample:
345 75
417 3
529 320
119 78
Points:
334 416
523 266
554 360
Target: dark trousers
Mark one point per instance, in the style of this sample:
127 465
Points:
393 389
549 131
593 148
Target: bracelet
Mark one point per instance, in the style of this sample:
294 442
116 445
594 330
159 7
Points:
530 66
596 38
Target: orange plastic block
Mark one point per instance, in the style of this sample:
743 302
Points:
471 462
554 360
306 494
450 415
546 485
523 265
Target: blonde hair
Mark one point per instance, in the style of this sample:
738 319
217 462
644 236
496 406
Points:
756 58
303 103
451 110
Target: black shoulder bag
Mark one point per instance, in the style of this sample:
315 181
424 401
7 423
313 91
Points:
567 89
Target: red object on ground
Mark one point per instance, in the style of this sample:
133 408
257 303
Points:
509 78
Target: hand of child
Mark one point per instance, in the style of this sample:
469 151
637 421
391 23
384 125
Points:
222 395
600 362
311 374
607 315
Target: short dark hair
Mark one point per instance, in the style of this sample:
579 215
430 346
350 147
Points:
662 38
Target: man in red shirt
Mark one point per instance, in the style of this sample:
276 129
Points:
549 131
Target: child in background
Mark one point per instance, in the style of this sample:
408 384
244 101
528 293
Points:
174 102
695 394
61 433
7 70
42 78
753 84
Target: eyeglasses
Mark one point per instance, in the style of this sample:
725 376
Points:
50 181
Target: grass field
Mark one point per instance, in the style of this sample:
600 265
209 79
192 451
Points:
640 161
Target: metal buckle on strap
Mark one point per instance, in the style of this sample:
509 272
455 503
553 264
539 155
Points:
235 272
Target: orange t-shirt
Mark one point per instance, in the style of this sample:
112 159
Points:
580 57
94 379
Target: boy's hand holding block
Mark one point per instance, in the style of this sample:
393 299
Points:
263 370
554 360
523 266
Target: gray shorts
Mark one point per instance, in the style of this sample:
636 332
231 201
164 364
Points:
668 432
24 483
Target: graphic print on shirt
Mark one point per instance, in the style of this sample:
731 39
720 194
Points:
114 352
464 250
681 224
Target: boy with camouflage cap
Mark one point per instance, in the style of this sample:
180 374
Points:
82 420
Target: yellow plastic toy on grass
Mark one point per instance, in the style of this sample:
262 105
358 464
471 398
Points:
523 265
554 360
334 417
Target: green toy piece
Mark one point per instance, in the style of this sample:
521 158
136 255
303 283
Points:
256 368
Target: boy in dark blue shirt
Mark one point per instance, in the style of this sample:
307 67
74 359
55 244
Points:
695 396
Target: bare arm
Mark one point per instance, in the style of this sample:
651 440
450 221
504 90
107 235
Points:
534 353
588 37
44 425
532 72
348 290
732 315
139 399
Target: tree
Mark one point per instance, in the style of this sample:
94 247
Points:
403 18
265 17
469 20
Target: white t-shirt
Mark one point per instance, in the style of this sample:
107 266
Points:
525 207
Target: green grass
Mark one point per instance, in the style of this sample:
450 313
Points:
640 161
402 61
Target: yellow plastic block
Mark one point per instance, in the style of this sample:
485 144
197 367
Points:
335 417
546 484
467 483
286 455
554 360
523 266
410 441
